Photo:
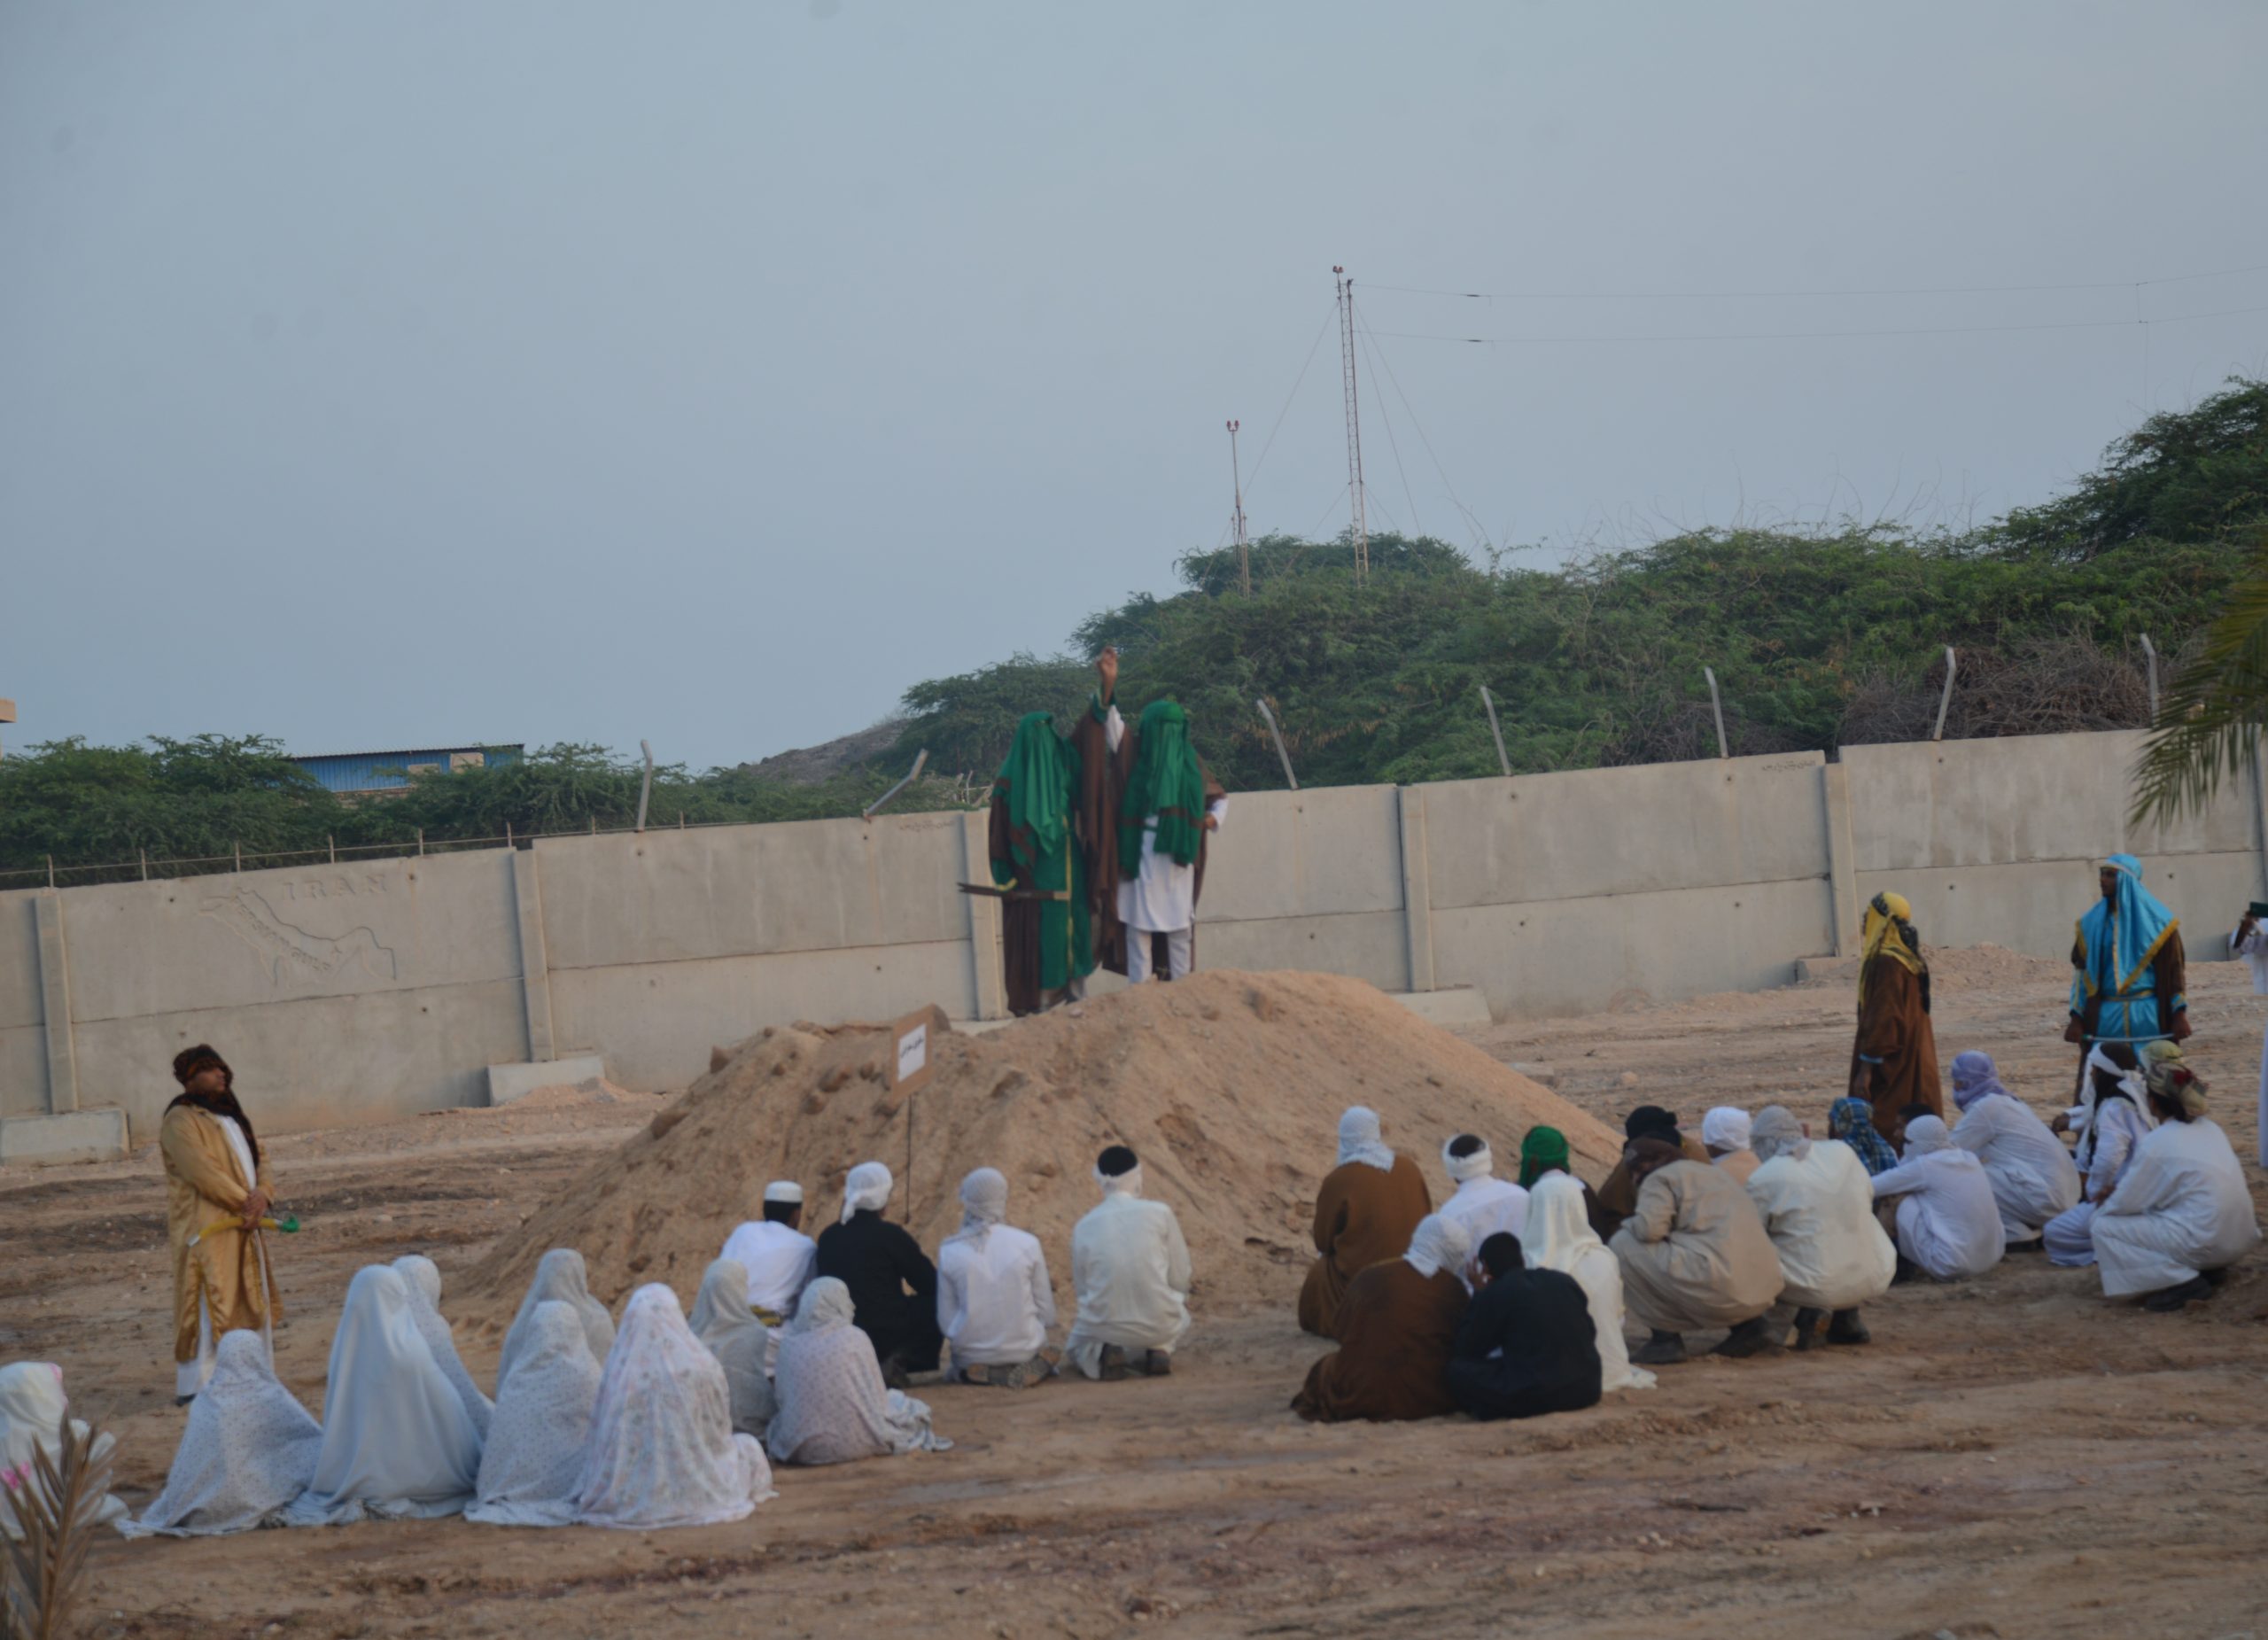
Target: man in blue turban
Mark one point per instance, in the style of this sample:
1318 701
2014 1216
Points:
2129 971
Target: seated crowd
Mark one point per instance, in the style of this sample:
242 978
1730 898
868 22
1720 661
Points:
1509 1301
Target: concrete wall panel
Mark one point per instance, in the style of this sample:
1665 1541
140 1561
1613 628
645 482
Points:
1364 944
23 1070
1305 854
204 942
656 1022
19 992
744 890
1625 831
2031 907
316 1061
1584 956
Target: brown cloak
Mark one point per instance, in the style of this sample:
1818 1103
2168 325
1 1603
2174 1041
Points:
1362 1217
1396 1331
1894 1028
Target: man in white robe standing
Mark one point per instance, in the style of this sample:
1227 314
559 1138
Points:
2031 1174
1131 1269
1169 805
777 1254
1483 1203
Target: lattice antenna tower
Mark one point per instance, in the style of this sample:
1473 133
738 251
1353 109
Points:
1353 426
1244 545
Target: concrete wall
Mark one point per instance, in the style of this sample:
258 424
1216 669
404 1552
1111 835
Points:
374 991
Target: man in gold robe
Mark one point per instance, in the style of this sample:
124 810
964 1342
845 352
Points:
216 1192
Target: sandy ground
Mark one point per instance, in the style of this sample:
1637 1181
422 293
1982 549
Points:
2013 1457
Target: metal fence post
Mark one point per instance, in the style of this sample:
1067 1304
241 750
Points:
1945 701
2150 650
145 855
911 774
1292 779
239 848
332 843
1494 733
647 790
421 841
1717 706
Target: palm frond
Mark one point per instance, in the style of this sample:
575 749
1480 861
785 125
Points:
2212 716
57 1505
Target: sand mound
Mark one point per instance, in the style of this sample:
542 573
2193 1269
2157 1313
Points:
1228 1084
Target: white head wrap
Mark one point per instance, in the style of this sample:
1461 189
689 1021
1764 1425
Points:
1776 1132
1558 1229
717 1283
250 1449
1439 1244
1726 1127
721 1320
1126 1184
826 1304
533 1460
785 1191
983 1203
1480 1164
1925 1135
397 1440
868 1187
32 1404
423 1277
559 1274
663 1452
1360 1139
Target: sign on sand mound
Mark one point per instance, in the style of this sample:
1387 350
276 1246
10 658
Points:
1228 1084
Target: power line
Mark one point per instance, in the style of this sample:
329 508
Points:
1887 290
1294 394
1455 501
1416 526
1798 335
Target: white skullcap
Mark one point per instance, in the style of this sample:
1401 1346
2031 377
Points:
1725 1128
783 1190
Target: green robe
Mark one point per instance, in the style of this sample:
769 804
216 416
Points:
1048 943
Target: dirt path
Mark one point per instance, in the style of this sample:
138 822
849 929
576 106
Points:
2013 1457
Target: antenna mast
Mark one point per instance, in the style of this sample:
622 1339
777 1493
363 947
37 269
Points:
1244 548
1362 529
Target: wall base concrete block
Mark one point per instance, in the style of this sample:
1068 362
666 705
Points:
1459 1005
507 1082
75 1135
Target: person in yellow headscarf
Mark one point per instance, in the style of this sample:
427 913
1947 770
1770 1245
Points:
1894 1060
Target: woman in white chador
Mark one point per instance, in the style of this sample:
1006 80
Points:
250 1449
533 1460
723 1320
661 1450
423 1277
1558 1236
833 1406
32 1405
397 1441
559 1274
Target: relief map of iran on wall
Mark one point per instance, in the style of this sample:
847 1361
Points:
307 941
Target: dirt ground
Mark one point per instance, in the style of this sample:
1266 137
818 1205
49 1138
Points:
2012 1456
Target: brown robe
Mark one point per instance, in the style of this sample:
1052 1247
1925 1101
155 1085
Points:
1103 775
1618 1198
1019 918
205 1194
1362 1217
1894 1028
1396 1331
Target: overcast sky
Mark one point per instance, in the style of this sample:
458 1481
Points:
386 375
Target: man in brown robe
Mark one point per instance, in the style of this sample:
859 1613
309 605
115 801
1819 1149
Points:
1397 1329
1614 1200
216 1192
1108 745
1894 1057
1364 1214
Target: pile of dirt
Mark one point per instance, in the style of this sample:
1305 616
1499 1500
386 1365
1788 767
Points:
1229 1086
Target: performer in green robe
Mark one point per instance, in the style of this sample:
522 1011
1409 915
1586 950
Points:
1046 924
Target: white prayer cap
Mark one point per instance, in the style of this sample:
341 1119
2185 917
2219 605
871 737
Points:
1778 1133
1439 1244
1925 1135
869 1186
1725 1128
783 1190
1480 1164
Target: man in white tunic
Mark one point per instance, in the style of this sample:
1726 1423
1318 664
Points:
2183 1213
995 1303
2250 942
1817 1209
1131 1269
777 1254
1948 1224
2112 1118
1483 1203
1169 806
2030 1172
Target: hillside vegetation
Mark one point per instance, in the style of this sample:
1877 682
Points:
1818 639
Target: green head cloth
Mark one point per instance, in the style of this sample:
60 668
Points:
1166 782
1035 777
1544 1149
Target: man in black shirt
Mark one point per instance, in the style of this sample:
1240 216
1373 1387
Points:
893 1285
1525 1346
